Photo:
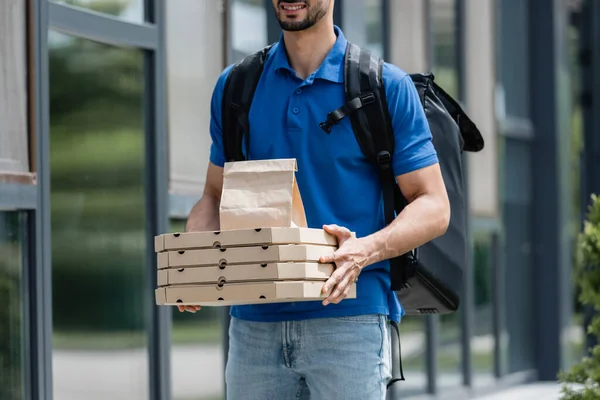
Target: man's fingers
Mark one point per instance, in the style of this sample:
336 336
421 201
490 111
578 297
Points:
328 259
191 309
340 291
183 308
333 280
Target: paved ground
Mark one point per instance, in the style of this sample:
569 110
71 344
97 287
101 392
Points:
534 391
122 375
198 375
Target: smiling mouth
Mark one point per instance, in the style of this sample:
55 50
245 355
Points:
292 7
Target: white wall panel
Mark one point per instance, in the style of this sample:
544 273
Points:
480 95
408 35
14 152
195 60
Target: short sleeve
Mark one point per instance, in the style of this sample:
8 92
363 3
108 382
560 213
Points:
413 147
217 155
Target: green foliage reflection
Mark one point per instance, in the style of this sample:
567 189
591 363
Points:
97 187
11 309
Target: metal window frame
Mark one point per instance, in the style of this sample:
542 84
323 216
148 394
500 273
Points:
157 198
15 197
468 289
432 322
551 252
40 278
24 199
386 29
100 27
149 37
589 61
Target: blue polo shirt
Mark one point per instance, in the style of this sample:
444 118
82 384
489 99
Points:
337 183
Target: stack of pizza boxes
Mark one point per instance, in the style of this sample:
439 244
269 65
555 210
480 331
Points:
263 252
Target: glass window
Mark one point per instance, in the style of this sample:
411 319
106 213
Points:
12 358
248 22
413 341
578 341
362 24
193 67
198 371
98 219
129 10
374 26
14 150
445 69
445 64
483 340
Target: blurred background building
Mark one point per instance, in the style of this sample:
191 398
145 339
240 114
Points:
104 115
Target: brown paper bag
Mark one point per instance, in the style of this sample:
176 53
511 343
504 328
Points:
261 194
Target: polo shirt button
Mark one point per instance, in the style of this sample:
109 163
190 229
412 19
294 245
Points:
298 91
296 110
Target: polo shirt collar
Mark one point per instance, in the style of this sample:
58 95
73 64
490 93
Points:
331 68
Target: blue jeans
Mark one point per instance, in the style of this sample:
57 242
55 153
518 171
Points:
318 359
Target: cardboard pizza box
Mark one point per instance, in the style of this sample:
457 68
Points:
242 237
245 272
242 255
243 293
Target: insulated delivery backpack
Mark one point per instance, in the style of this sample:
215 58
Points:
427 280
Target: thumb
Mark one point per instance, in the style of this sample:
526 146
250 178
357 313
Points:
338 231
333 229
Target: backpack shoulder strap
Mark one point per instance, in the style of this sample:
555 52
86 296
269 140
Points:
372 126
371 122
373 129
366 106
238 92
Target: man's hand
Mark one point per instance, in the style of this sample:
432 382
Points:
191 309
349 260
204 216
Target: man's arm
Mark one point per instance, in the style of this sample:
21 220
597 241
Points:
418 174
204 216
425 217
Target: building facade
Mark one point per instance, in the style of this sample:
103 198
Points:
104 143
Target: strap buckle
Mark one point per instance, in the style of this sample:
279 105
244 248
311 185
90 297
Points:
367 99
325 126
384 159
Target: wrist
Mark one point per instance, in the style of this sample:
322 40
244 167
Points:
368 250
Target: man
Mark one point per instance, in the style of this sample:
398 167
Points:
338 348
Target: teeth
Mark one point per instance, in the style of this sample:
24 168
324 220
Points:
292 8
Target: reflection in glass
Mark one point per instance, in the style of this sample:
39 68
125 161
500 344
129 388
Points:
482 341
11 308
374 26
98 221
445 69
362 24
577 343
197 350
445 64
449 361
129 10
248 27
413 344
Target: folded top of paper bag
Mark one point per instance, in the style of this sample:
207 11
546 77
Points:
261 194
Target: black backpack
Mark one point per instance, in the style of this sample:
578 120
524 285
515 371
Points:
427 280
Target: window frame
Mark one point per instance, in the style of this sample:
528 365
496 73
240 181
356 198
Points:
149 37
